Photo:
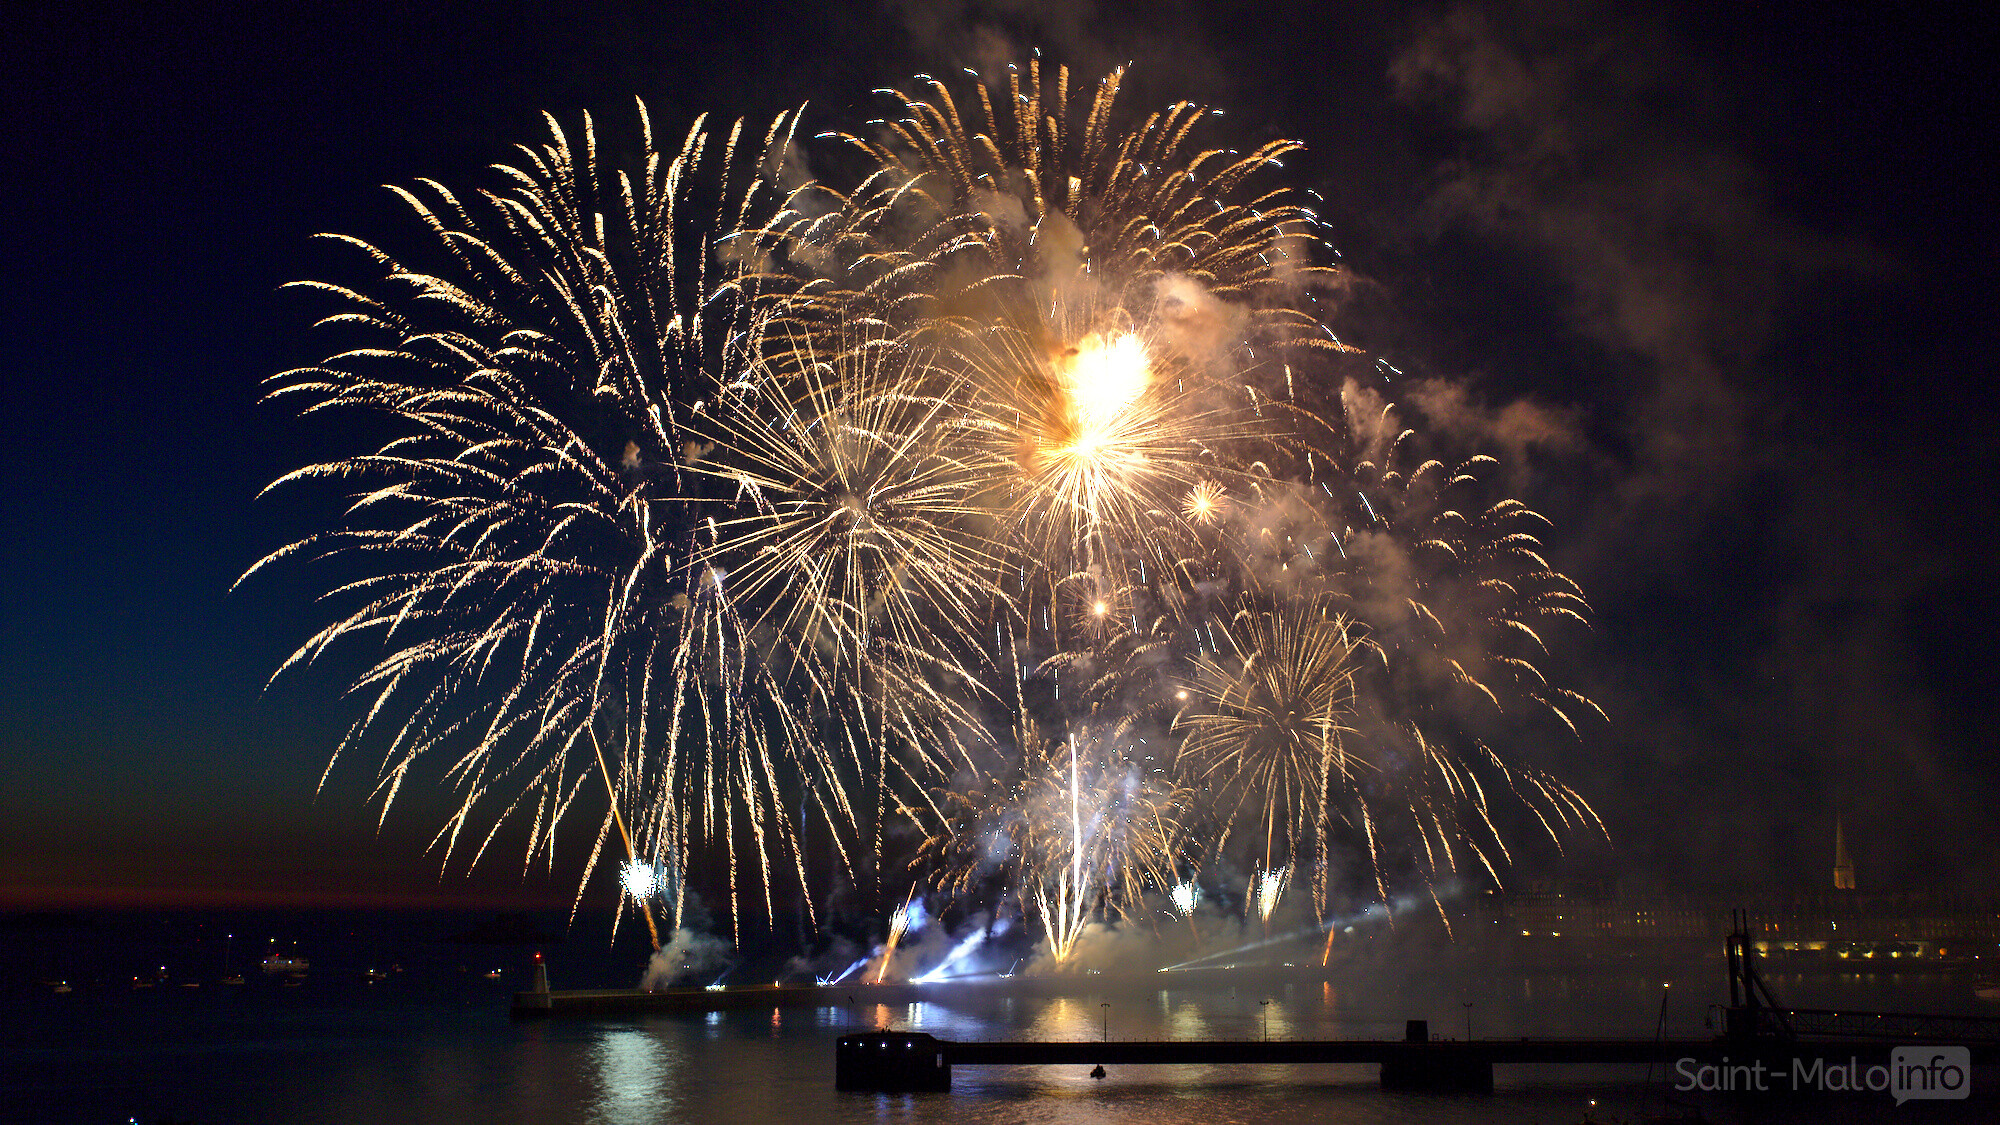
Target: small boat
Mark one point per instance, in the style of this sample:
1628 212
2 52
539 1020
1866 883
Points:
62 988
289 966
233 978
1673 1113
1986 989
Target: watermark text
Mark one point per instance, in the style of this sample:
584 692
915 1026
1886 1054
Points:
1911 1074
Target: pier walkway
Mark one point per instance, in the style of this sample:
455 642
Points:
1760 1038
907 1061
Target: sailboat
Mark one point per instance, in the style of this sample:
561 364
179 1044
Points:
229 976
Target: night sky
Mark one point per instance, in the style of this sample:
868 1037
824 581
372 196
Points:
1718 288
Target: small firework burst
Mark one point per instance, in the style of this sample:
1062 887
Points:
1203 504
1264 731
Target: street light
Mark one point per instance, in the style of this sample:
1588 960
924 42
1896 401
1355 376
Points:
1107 1020
1266 1005
1468 1020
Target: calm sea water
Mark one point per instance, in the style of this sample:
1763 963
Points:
432 1040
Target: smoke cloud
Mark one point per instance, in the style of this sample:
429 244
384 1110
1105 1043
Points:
1758 592
687 957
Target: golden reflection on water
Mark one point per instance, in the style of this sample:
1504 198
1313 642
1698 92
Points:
1275 1021
636 1076
766 1068
1063 1018
1185 1020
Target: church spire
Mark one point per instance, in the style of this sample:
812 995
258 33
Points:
1843 866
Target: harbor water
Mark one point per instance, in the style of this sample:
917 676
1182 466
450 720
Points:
394 1022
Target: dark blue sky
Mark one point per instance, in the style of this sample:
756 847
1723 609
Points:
1746 263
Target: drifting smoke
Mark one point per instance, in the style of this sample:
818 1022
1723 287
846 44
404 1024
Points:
686 958
826 966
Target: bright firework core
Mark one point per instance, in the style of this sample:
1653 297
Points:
1104 377
639 879
1202 503
1270 886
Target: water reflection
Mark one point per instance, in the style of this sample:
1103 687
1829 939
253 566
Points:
1064 1017
449 1064
1277 1020
637 1077
1185 1020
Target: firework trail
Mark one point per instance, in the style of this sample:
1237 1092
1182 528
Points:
1088 451
1076 832
1071 826
1266 888
1461 607
1264 729
740 490
854 555
849 519
1042 194
899 924
530 539
1104 286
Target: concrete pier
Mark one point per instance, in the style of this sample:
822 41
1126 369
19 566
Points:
904 1061
891 1062
1427 1069
544 1004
